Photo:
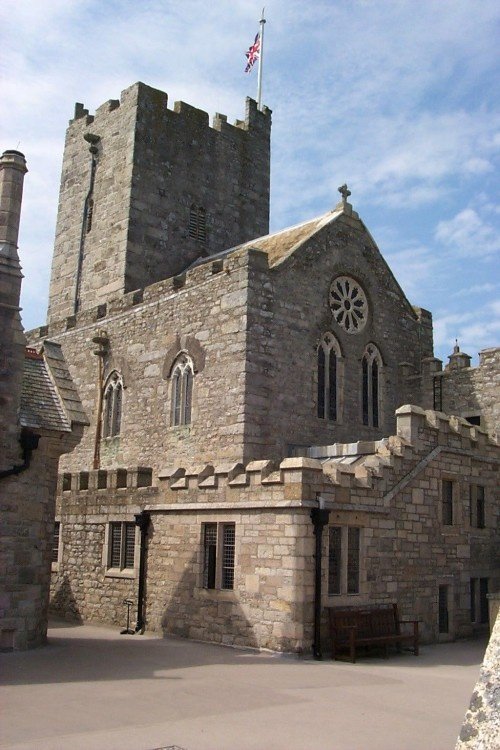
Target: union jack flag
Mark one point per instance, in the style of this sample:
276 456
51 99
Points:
253 54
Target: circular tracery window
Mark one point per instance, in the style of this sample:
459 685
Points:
348 303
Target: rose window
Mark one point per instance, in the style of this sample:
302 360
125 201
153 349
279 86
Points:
348 304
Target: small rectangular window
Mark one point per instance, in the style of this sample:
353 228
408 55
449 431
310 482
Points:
344 552
334 560
447 502
353 560
443 609
209 555
228 540
438 393
121 545
479 600
218 555
56 542
477 506
83 483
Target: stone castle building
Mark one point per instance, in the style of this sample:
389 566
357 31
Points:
40 418
248 395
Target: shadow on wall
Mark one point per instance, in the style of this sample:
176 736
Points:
204 614
63 603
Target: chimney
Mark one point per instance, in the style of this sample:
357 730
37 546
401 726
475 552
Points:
12 340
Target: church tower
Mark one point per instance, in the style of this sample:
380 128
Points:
146 190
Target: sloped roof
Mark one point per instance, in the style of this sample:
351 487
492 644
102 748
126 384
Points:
280 245
40 404
48 396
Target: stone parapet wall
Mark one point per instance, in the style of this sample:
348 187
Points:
467 391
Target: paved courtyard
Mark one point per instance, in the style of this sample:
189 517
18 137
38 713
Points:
92 689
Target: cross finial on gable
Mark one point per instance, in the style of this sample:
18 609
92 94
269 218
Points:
344 192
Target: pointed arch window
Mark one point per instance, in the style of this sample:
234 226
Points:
371 368
329 366
182 390
112 406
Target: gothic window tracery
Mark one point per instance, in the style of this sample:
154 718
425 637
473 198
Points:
329 370
348 304
112 405
371 367
182 390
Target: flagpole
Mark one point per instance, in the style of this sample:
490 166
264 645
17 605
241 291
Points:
261 57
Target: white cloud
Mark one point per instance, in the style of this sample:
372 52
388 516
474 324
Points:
394 97
468 234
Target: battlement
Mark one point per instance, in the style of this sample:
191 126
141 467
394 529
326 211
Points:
147 190
146 98
372 472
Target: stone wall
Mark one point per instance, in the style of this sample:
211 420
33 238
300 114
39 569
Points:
464 390
475 391
27 507
204 315
392 493
288 314
126 225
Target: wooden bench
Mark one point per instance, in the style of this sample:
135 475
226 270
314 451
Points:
369 627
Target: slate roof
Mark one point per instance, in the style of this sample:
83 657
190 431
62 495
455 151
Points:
48 397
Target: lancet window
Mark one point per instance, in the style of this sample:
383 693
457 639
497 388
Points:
371 386
329 366
112 405
182 390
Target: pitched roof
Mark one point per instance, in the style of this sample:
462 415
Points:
280 245
40 403
48 396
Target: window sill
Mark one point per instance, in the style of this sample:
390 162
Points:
118 573
54 567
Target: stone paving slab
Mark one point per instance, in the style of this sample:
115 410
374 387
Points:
91 688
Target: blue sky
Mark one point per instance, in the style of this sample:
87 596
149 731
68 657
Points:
398 98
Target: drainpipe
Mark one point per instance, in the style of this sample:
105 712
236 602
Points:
142 520
29 442
93 140
319 518
102 350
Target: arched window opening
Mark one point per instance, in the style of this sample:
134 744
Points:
370 386
112 406
182 391
328 378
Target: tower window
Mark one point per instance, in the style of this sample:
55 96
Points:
198 224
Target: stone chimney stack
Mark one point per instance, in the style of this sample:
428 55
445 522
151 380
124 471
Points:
12 340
